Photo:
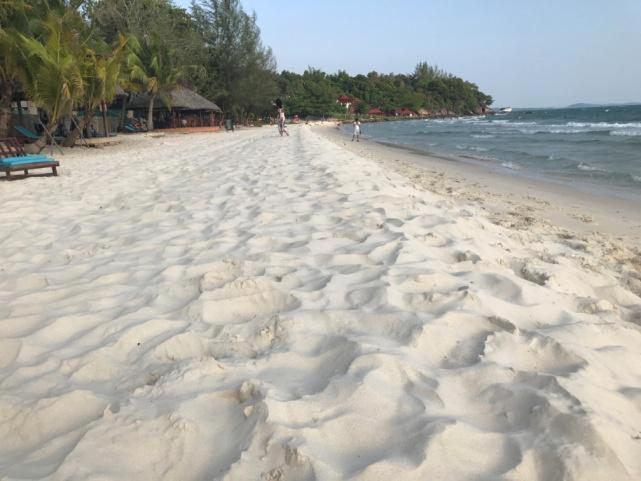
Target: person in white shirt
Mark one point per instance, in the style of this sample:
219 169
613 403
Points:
281 122
357 130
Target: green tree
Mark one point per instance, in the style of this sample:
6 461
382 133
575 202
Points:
101 68
311 94
142 18
9 65
152 65
167 25
241 71
427 87
50 69
14 18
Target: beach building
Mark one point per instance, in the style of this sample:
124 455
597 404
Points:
404 112
188 109
375 111
344 100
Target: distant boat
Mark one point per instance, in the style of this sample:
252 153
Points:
506 109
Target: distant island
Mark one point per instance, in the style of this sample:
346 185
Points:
586 105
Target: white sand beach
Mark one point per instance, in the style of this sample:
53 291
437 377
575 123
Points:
250 307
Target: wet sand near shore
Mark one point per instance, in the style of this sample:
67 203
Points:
510 198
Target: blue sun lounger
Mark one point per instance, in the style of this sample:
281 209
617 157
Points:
30 135
26 133
14 158
130 128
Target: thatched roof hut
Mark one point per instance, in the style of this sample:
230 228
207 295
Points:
181 99
187 109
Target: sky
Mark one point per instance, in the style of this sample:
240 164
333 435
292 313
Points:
525 53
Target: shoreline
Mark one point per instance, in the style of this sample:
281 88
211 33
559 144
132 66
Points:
506 196
403 118
578 186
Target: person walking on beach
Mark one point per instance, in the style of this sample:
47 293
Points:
281 118
357 130
281 122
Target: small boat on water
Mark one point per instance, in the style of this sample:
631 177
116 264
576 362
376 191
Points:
506 109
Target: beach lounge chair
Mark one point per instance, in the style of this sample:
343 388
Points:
132 125
30 136
14 158
26 133
131 128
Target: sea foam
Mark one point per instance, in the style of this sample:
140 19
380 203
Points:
589 168
626 133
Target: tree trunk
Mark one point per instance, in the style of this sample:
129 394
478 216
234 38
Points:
70 140
123 113
20 113
73 136
103 107
150 113
6 93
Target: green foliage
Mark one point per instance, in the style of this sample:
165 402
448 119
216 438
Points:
49 69
240 70
314 93
154 70
311 93
233 67
102 68
10 57
142 19
74 53
152 66
16 17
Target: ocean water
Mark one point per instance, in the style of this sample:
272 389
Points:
589 147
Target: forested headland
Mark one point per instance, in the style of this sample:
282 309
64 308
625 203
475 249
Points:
70 55
427 89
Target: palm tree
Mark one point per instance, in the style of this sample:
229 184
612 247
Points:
152 65
9 59
50 71
13 18
111 73
101 71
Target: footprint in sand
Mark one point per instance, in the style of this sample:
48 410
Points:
529 272
529 351
235 291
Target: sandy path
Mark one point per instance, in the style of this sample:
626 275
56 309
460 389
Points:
253 307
